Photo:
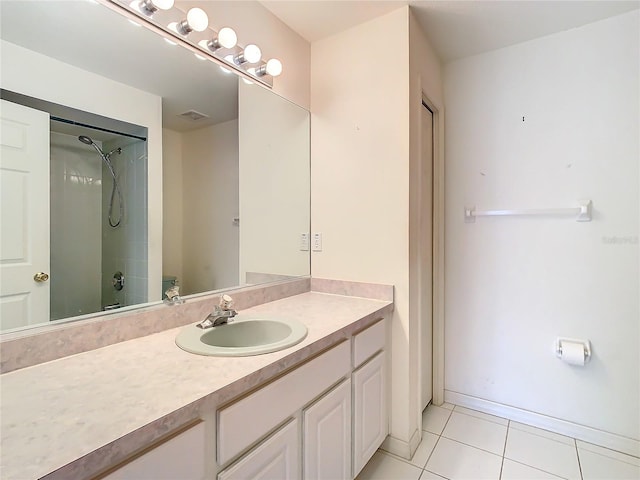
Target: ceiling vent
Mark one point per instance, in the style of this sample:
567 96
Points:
193 115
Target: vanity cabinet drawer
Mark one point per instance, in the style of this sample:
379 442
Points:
181 456
244 422
368 342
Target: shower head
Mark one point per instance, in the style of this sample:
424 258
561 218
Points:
86 140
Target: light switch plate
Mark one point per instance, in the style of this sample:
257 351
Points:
317 242
304 242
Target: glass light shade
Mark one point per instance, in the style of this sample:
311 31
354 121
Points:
274 67
163 4
197 19
227 37
252 53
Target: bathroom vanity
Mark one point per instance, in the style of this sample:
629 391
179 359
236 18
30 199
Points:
144 408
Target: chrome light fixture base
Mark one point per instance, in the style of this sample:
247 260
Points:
204 43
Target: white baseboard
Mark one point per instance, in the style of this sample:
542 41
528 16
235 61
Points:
402 448
609 440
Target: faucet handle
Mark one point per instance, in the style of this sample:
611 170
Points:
226 302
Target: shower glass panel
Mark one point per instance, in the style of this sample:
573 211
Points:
98 228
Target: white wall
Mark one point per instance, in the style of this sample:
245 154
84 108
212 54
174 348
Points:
514 284
172 189
255 24
360 177
274 183
210 203
24 71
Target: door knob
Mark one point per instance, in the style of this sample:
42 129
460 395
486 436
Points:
41 277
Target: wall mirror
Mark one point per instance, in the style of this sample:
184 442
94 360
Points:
159 168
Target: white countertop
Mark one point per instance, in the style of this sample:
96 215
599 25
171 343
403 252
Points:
58 412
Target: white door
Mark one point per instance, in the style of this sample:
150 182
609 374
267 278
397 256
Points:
426 257
24 215
327 436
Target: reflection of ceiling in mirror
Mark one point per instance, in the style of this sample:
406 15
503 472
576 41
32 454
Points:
94 38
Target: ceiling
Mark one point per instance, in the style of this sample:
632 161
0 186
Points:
455 28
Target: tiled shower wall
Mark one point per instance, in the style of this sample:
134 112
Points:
76 243
125 247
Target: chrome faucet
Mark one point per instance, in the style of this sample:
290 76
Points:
173 296
222 314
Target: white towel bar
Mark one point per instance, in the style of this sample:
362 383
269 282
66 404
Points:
582 212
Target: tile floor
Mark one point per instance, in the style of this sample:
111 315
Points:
458 443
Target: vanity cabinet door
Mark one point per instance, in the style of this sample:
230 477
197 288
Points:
370 424
278 457
327 436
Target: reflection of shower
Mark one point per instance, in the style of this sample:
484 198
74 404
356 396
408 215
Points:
106 158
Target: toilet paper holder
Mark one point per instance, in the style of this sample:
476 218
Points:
586 344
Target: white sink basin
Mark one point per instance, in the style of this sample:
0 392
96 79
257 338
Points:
242 337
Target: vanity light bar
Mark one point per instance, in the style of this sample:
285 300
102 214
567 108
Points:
191 30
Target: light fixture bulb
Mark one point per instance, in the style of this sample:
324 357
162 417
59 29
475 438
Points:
149 7
274 67
227 37
197 19
252 53
163 4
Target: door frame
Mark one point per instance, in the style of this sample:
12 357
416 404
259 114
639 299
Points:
438 185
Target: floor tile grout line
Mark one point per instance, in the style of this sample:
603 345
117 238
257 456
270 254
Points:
431 454
437 441
536 468
396 457
482 418
472 446
610 457
504 449
549 437
544 436
578 456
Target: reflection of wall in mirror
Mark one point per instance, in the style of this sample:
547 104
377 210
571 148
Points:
36 75
172 205
274 183
205 165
